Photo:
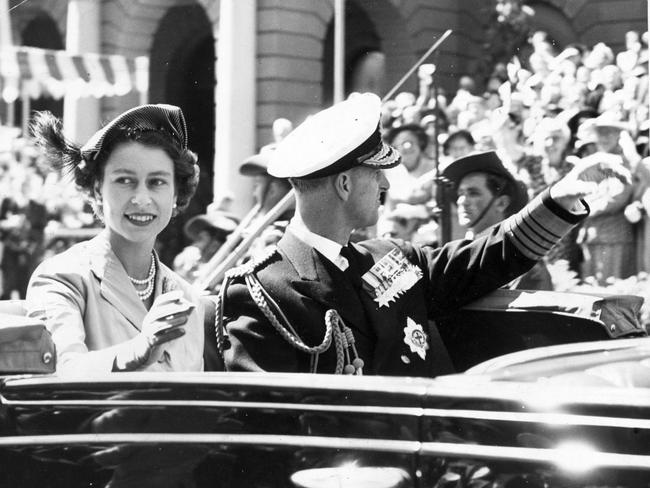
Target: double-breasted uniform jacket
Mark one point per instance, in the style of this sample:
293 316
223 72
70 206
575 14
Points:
390 335
87 302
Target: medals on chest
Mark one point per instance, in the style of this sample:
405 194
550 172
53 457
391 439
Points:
390 278
415 338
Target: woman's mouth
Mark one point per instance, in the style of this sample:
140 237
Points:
140 219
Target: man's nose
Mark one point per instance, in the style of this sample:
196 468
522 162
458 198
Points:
383 182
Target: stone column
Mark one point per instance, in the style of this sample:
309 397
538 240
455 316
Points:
236 100
81 116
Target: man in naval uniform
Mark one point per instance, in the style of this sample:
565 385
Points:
319 303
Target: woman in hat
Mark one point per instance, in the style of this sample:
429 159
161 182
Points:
109 302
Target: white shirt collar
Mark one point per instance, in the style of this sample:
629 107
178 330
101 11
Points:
328 248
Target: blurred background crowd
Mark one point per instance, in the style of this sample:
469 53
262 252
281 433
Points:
541 115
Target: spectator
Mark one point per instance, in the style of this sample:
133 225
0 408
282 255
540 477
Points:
267 192
407 222
207 233
551 142
487 194
606 236
412 181
638 213
458 144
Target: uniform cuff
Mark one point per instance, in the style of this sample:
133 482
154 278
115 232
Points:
540 225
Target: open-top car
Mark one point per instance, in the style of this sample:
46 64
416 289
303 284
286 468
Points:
570 415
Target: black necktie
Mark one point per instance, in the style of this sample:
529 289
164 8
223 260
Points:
352 271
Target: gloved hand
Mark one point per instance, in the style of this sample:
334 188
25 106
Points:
584 179
163 323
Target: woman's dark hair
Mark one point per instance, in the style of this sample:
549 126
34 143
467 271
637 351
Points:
66 157
416 129
459 134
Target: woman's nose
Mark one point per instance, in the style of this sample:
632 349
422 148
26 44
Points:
141 197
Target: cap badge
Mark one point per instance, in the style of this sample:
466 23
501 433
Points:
390 278
415 338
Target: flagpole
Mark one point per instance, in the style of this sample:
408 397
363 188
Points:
5 24
339 50
6 43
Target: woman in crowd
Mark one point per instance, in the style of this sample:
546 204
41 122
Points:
110 304
607 237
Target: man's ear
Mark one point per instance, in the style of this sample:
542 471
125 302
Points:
502 203
343 185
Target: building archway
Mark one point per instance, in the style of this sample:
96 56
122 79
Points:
40 31
367 25
552 20
182 72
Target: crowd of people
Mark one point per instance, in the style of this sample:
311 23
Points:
41 214
541 118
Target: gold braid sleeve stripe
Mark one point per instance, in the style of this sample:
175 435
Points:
536 229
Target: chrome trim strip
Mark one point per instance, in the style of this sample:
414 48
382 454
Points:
398 447
541 418
385 385
527 454
487 452
405 411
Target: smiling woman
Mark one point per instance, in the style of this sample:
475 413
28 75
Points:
109 302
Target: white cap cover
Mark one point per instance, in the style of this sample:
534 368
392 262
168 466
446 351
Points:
334 140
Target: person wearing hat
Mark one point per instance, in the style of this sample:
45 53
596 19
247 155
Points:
486 194
267 190
319 303
207 233
109 303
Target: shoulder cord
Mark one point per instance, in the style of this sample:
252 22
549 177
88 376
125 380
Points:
238 272
335 328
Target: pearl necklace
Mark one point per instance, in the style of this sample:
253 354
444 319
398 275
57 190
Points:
145 293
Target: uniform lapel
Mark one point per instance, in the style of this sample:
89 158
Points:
322 281
115 286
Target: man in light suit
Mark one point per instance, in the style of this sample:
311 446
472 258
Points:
322 304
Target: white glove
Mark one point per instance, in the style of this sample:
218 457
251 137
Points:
584 179
163 323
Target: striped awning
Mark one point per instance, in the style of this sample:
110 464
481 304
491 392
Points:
39 72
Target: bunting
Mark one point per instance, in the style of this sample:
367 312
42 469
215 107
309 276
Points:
39 72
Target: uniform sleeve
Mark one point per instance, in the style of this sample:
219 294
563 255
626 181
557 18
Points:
58 299
254 344
463 271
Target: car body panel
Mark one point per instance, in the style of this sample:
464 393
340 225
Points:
220 429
